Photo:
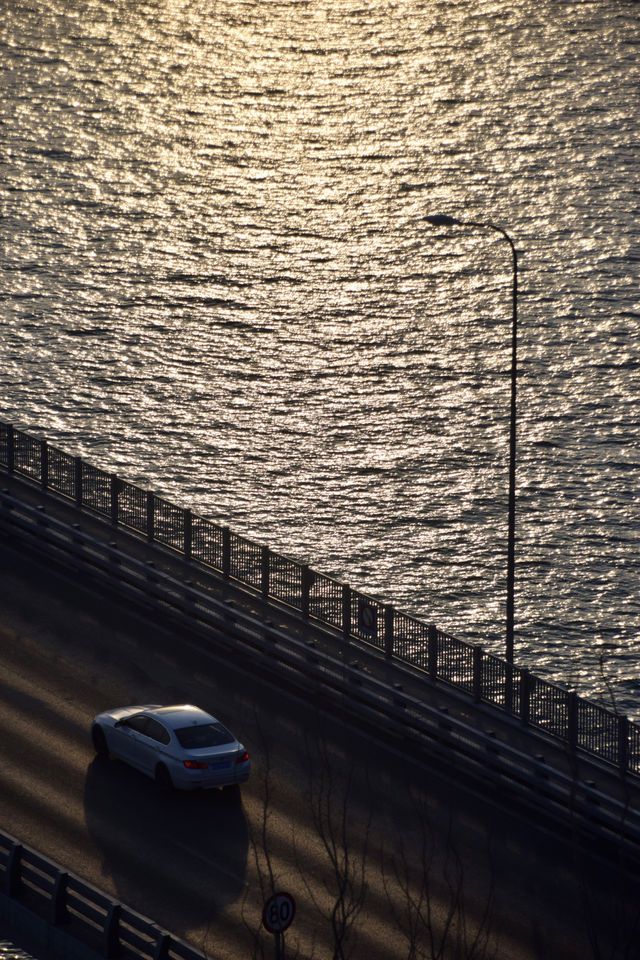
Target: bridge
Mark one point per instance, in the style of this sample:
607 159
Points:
430 700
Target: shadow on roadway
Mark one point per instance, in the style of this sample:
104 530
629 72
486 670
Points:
177 857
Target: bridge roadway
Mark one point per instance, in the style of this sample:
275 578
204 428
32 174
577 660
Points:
70 648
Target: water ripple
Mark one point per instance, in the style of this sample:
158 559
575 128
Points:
218 280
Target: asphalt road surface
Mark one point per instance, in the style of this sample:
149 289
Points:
424 863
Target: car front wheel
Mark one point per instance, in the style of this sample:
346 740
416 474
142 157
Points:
99 741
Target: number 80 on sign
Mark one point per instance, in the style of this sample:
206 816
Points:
279 911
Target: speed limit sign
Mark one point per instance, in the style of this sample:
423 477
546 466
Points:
279 911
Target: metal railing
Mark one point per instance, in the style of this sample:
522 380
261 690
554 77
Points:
85 913
579 723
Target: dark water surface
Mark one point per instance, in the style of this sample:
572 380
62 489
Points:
216 277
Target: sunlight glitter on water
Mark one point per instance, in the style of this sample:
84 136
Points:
218 281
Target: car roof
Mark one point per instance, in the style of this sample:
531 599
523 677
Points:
180 715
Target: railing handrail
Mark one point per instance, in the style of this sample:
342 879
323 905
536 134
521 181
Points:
578 722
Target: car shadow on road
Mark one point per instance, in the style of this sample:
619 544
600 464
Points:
177 857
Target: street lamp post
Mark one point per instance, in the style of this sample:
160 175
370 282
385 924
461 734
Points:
443 220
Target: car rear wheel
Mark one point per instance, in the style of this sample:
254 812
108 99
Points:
163 777
99 741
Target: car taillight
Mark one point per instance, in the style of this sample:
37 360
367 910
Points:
195 765
242 757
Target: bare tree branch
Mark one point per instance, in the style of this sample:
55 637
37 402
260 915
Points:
427 896
262 851
331 802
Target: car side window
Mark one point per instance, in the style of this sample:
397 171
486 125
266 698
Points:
137 723
157 731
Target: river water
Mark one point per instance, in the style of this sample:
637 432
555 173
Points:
217 280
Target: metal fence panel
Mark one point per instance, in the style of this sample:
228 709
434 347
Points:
411 638
62 472
207 542
245 561
455 662
325 599
285 580
634 748
367 619
598 730
27 455
96 489
4 444
493 689
548 707
168 523
132 506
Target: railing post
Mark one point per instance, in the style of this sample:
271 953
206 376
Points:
432 651
389 618
226 552
116 486
623 745
111 941
188 533
11 448
346 611
305 584
572 719
163 944
150 515
58 898
77 480
477 673
525 696
44 464
265 568
508 687
13 881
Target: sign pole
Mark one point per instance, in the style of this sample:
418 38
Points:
279 945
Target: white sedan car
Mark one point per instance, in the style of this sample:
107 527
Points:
180 746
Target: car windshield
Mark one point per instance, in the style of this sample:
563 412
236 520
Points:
203 735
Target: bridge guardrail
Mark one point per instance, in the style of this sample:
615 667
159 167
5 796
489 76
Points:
579 723
340 686
66 901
